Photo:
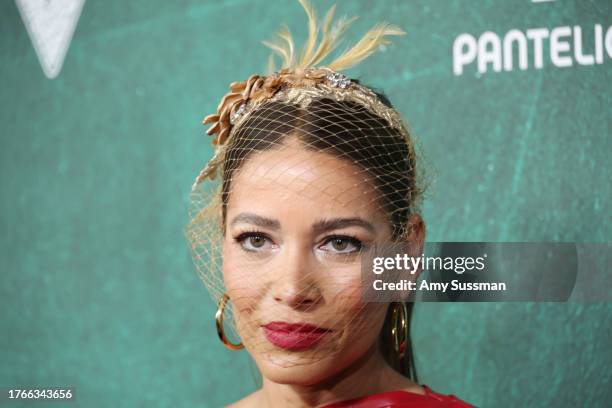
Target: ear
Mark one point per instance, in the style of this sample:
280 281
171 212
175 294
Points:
415 238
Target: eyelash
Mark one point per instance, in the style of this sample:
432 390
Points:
247 234
356 242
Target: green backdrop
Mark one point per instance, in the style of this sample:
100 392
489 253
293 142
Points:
98 290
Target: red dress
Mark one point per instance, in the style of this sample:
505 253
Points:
403 399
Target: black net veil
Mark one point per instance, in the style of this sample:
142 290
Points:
310 168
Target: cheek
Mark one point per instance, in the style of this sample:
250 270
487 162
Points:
348 297
343 286
240 286
362 327
359 321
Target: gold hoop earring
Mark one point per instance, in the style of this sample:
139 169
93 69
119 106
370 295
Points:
219 321
399 327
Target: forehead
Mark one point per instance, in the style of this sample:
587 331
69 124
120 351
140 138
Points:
291 179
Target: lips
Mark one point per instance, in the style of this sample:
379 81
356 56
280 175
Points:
293 336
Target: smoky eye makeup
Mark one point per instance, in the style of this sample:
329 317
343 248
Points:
253 240
343 243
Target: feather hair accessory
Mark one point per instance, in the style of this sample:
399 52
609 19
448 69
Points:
301 77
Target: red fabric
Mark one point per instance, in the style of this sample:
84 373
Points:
403 399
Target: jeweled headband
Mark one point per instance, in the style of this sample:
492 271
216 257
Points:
301 79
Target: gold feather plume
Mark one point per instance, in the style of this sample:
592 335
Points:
330 36
293 72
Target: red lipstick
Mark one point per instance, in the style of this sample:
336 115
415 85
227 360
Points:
293 336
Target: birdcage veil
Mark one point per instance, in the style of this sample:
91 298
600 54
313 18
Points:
303 111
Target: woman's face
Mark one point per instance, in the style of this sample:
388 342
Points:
296 221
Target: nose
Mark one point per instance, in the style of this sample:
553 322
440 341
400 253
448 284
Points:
295 283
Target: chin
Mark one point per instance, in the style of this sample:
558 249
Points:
294 370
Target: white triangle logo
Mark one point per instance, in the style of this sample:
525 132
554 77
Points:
50 24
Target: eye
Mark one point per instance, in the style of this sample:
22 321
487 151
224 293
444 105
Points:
342 244
252 241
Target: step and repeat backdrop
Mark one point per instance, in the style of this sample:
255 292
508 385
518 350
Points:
101 109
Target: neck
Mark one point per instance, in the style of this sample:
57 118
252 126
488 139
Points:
368 375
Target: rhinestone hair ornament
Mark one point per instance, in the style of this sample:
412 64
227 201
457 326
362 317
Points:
302 79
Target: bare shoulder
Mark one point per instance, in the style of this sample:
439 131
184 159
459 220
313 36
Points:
251 400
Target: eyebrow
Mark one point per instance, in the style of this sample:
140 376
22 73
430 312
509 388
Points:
318 227
255 219
337 223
